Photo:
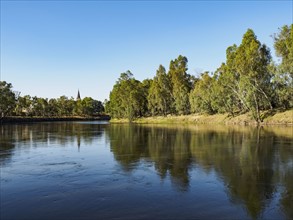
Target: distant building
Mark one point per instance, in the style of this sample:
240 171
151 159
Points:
78 96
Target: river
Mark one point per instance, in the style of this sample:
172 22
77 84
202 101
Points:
96 170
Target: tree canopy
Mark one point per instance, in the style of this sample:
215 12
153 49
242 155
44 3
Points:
7 99
248 81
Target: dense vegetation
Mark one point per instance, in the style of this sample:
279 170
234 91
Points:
12 104
248 81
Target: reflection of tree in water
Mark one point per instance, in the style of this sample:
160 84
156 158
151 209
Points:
128 143
6 145
244 163
287 195
169 151
245 159
285 173
60 133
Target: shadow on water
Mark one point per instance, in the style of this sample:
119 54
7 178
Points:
251 162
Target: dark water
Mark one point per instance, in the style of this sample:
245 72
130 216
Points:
91 170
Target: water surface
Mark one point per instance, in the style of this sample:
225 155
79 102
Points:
94 170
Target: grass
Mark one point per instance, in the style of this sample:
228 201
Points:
276 117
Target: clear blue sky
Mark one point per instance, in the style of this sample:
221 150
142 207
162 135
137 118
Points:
53 48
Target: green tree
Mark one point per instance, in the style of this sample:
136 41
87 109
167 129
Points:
181 84
23 106
65 106
252 63
144 88
283 72
203 97
126 97
7 99
53 108
39 106
98 107
87 104
160 93
283 44
230 94
77 108
246 76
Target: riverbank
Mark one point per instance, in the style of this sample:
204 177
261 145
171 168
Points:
269 118
16 119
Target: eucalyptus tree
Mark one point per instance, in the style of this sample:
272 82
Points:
283 44
181 84
246 78
65 105
7 99
23 106
98 107
53 107
87 106
204 95
39 106
252 63
160 93
283 72
126 97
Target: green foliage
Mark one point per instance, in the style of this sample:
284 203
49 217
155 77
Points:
160 93
245 78
98 107
128 98
89 106
248 81
39 106
65 106
7 99
283 72
181 84
23 106
203 96
35 106
252 63
284 48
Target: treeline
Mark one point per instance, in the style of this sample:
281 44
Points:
12 104
248 81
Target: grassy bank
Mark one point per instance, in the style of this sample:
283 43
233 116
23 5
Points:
16 119
269 118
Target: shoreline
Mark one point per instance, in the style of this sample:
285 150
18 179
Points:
284 118
20 119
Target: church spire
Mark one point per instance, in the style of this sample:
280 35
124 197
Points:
78 96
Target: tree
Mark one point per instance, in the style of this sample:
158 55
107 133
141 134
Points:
23 106
87 106
246 77
231 96
98 107
39 106
53 108
203 96
283 73
7 99
181 84
252 63
65 106
126 97
160 93
283 44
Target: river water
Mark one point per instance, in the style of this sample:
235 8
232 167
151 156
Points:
96 170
